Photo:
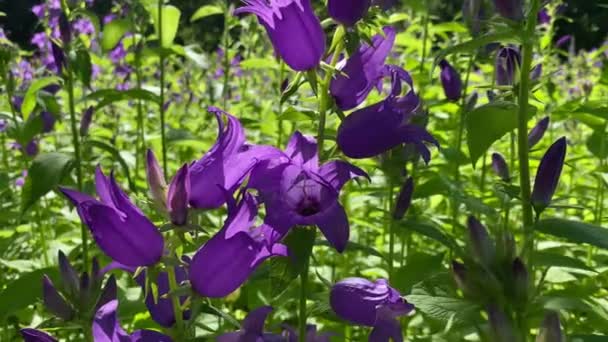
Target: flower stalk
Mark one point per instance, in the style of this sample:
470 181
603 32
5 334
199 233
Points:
163 135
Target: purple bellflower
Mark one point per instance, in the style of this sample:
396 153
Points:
106 328
450 80
550 330
373 130
293 29
544 17
563 40
156 181
34 335
373 304
500 167
252 329
538 131
119 228
226 261
536 72
506 67
510 9
297 191
547 175
226 164
48 121
85 121
177 196
348 12
362 71
404 200
32 148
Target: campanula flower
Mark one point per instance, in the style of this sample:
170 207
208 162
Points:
106 328
536 72
32 148
297 191
252 328
293 29
177 196
119 228
538 131
450 80
481 243
48 121
54 301
544 17
404 200
550 330
547 175
34 335
348 12
501 325
362 71
500 167
510 9
85 121
226 164
506 67
373 304
225 262
376 129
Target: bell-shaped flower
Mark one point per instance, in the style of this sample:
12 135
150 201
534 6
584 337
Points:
34 335
547 175
506 66
373 304
119 228
500 167
85 122
362 71
510 9
404 199
297 191
373 130
293 29
481 243
550 330
177 196
252 329
538 131
225 262
106 328
501 325
348 12
450 80
225 165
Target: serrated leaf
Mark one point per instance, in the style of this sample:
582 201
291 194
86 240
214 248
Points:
206 11
444 309
574 231
45 173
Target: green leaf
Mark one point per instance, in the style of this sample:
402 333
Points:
429 230
83 67
32 127
574 231
284 270
170 17
24 291
471 46
444 309
31 96
549 259
109 96
45 173
113 33
259 63
418 267
206 11
488 123
116 154
588 338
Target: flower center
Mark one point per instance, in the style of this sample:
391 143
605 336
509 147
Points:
308 206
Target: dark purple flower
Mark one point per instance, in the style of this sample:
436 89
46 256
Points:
450 80
226 164
48 121
500 325
84 26
510 9
500 167
376 129
562 41
3 125
177 196
550 330
106 328
119 228
65 29
85 121
252 329
538 131
297 191
543 16
156 180
373 304
547 175
481 244
536 72
362 71
59 61
293 29
348 12
54 301
506 67
31 149
226 261
404 199
118 53
472 11
33 335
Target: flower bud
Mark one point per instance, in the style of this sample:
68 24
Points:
500 324
348 12
450 80
54 302
472 14
32 149
58 57
48 121
65 29
481 244
500 167
404 199
538 132
510 9
521 280
85 122
547 175
156 180
69 276
459 272
178 196
544 17
507 64
536 72
550 330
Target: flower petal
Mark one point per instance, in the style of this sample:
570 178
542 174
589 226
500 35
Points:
333 223
34 335
338 172
254 322
303 150
106 327
149 336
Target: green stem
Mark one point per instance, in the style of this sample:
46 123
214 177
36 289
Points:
177 308
302 308
391 230
280 110
140 113
163 137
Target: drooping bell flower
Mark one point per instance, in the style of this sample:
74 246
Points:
481 244
177 196
550 330
226 261
297 191
376 129
85 121
48 121
362 71
500 167
293 29
510 9
547 175
252 328
404 199
450 80
348 12
538 131
119 228
373 304
506 67
106 328
32 148
226 164
34 335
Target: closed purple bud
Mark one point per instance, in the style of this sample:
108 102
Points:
550 330
500 324
288 24
108 293
481 244
48 121
177 196
510 9
404 199
156 180
58 57
284 85
348 12
536 72
69 276
65 29
500 167
459 272
507 64
547 175
520 280
471 13
31 149
33 335
538 132
54 302
450 80
562 41
544 17
85 122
